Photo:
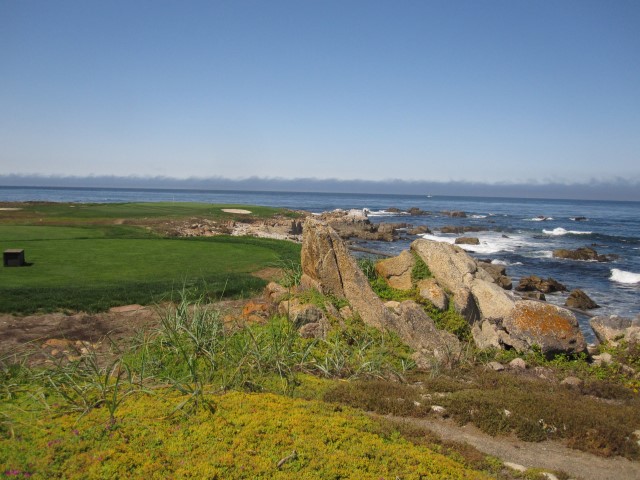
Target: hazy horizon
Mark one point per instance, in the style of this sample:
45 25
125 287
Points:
618 191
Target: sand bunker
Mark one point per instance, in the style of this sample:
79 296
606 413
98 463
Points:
236 210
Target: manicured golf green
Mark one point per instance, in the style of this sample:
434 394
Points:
95 266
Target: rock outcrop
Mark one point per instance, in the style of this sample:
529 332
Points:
497 318
327 266
356 224
498 273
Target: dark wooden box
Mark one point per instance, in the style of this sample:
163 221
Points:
13 257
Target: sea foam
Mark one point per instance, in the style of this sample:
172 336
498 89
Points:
489 243
561 231
621 276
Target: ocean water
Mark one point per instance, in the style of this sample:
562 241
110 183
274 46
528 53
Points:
518 233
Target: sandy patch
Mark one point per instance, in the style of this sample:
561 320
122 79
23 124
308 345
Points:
236 210
10 209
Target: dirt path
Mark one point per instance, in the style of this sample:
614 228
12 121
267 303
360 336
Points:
549 455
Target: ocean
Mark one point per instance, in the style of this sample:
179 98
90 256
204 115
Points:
516 232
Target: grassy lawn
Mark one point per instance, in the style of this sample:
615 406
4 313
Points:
96 213
92 265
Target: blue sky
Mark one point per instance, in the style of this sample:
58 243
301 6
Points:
476 91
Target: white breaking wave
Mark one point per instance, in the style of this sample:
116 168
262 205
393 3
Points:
561 231
621 276
478 216
538 219
489 243
504 262
384 213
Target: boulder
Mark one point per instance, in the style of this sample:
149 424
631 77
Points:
431 291
611 329
554 329
412 321
274 292
467 241
535 283
492 301
449 264
397 270
455 214
498 273
580 300
419 230
583 253
300 313
415 211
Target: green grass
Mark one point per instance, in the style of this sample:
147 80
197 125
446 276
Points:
42 213
94 268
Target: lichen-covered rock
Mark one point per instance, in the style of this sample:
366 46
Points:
431 291
448 264
553 329
397 270
580 300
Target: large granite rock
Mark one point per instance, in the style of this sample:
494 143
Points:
612 329
554 329
449 264
397 270
327 265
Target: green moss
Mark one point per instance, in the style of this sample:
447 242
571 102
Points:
450 321
420 270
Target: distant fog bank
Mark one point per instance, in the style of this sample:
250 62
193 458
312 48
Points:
596 190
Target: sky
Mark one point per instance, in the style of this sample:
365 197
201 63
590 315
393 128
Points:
506 92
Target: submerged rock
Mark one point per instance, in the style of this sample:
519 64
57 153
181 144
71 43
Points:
535 283
583 253
580 300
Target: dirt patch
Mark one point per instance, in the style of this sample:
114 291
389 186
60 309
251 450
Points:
270 274
9 209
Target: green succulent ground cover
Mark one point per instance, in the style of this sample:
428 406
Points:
91 266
